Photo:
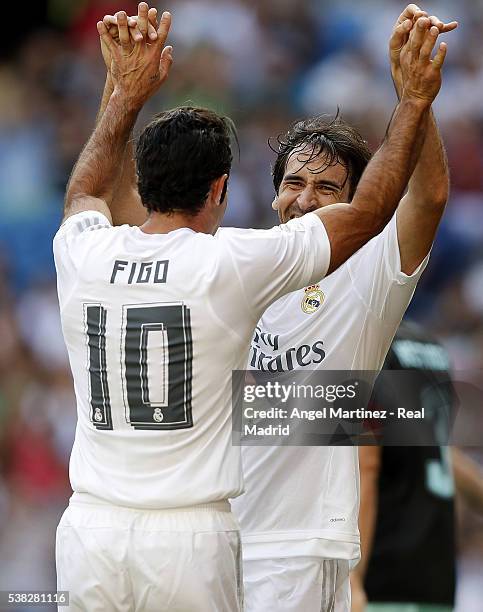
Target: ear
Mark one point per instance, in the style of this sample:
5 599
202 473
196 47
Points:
275 203
218 191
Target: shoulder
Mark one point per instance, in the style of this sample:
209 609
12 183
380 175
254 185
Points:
82 222
302 224
85 235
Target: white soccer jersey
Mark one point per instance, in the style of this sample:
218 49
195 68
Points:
154 326
305 500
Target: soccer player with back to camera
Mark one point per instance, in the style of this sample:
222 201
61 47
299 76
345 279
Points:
144 308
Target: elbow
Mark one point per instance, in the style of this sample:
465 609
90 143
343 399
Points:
373 211
73 201
371 223
73 196
381 221
69 199
73 192
439 200
437 196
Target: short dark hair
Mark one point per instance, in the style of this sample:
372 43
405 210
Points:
179 154
333 137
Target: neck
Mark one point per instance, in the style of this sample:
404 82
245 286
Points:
160 223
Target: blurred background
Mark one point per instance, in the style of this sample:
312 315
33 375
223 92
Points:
265 63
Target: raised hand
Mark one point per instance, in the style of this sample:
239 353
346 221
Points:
137 32
420 72
138 69
400 36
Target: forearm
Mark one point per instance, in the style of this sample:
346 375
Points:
383 183
126 205
106 96
127 177
97 170
429 183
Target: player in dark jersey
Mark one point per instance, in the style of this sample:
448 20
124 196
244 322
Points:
407 492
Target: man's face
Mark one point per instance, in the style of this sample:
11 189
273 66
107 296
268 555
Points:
308 187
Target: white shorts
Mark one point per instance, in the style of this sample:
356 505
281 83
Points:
116 559
297 584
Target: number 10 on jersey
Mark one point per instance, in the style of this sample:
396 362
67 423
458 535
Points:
156 356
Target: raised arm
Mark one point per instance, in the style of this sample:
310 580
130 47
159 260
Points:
382 185
428 188
136 74
126 205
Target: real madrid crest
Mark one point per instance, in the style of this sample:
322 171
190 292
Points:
158 416
312 299
98 415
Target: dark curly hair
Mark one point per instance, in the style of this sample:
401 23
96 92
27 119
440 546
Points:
179 154
334 138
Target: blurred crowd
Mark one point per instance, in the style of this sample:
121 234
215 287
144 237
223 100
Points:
265 63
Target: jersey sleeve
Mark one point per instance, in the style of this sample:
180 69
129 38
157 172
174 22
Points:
378 279
71 245
270 263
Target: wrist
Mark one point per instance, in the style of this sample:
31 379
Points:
414 101
131 104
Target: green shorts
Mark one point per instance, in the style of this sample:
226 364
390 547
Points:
406 607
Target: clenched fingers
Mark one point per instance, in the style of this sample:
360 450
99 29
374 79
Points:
443 27
410 12
152 25
399 35
414 12
124 37
417 35
107 39
110 21
428 44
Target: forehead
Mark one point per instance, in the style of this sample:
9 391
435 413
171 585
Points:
302 163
